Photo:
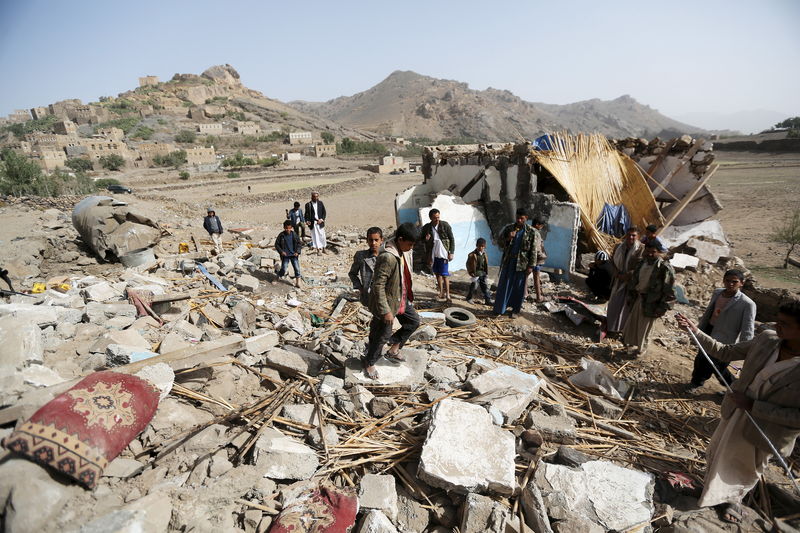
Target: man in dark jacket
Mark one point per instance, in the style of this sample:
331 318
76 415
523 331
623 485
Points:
363 267
287 244
478 270
315 219
440 245
213 226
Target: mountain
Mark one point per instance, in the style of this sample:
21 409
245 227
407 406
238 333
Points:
412 105
750 121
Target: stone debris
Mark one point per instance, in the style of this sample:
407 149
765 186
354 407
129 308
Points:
375 522
506 389
481 514
378 492
282 457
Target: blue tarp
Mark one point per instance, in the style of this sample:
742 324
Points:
614 220
545 142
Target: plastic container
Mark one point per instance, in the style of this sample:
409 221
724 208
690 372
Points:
138 257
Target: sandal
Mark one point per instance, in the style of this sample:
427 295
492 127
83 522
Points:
732 513
395 357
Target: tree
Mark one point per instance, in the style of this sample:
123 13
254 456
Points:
173 159
112 162
792 123
19 175
185 136
237 161
79 165
184 175
327 137
789 233
346 146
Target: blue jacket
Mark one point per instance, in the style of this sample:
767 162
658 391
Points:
207 223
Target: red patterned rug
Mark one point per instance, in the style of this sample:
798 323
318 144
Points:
80 431
327 509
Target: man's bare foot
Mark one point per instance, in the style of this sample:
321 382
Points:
732 513
371 372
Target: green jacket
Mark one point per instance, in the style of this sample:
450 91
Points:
445 234
660 293
384 297
529 254
477 264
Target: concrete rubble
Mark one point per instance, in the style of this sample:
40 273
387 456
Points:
260 398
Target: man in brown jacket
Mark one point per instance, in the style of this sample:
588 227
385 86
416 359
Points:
392 296
767 389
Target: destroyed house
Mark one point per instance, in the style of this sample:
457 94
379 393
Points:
587 189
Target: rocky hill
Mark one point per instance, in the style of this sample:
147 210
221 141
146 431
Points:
411 105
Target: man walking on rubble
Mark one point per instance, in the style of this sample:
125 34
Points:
315 219
392 296
520 243
440 245
650 293
767 389
213 226
363 268
729 318
624 259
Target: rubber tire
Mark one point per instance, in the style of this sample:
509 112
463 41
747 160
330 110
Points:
456 317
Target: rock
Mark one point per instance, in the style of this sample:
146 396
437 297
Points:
684 262
213 314
247 283
118 354
604 408
534 509
151 514
440 373
382 406
261 343
128 337
219 464
571 457
444 512
361 397
206 440
292 322
708 251
329 387
328 432
480 514
378 492
574 524
171 342
424 334
175 415
510 390
161 375
598 491
293 360
187 330
375 522
244 313
553 428
282 457
465 452
411 515
411 372
305 413
123 467
99 313
101 292
22 342
41 376
532 437
41 315
31 498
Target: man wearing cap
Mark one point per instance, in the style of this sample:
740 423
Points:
601 274
650 295
213 226
729 318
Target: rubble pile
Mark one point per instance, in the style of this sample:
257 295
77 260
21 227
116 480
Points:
264 405
636 148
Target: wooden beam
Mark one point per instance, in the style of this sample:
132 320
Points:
688 198
685 159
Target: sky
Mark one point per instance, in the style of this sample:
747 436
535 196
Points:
699 59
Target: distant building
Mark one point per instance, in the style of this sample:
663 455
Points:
21 146
301 137
65 127
324 150
148 150
200 155
39 112
60 108
144 81
212 128
97 147
50 160
291 156
115 134
390 163
20 115
247 128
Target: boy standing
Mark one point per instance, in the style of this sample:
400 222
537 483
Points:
213 225
298 220
363 267
392 296
440 245
478 268
287 244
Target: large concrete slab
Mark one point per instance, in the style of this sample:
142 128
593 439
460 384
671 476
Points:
465 452
511 390
282 457
410 372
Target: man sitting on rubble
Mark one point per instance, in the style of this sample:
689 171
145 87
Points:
288 245
650 295
624 259
729 318
392 296
213 226
363 267
521 243
767 389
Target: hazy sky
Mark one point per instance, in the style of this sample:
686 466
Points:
677 57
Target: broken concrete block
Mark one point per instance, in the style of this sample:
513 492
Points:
304 413
262 343
151 513
174 415
574 524
244 313
100 292
123 467
571 457
119 322
411 515
99 313
21 342
684 262
424 334
378 492
439 373
604 408
329 434
510 390
219 464
534 508
41 315
361 397
292 322
161 376
465 452
382 406
708 251
410 372
213 314
119 354
189 331
171 342
282 457
41 376
127 337
598 491
247 283
293 359
375 522
480 514
557 428
30 497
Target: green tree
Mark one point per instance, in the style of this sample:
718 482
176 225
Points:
80 164
112 162
789 233
19 175
142 132
184 175
173 159
346 146
185 136
792 123
238 160
102 183
327 137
